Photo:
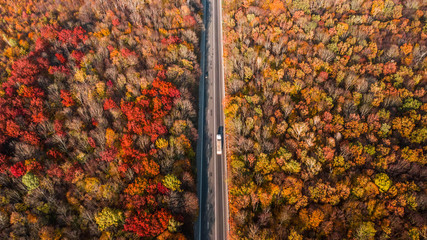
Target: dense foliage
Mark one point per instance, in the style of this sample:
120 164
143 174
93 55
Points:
96 119
325 116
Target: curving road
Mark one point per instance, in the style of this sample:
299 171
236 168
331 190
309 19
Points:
213 193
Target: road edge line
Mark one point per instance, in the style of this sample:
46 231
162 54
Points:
225 145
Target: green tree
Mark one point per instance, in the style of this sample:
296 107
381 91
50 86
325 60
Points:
109 217
174 225
30 181
172 182
365 231
383 182
411 103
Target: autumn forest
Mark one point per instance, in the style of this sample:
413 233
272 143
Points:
97 119
326 118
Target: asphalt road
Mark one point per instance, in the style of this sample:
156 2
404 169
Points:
213 215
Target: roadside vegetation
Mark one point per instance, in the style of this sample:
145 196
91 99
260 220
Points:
97 114
326 118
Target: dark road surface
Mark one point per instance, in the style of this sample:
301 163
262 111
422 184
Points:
220 196
213 220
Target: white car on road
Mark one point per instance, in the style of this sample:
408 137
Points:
219 141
